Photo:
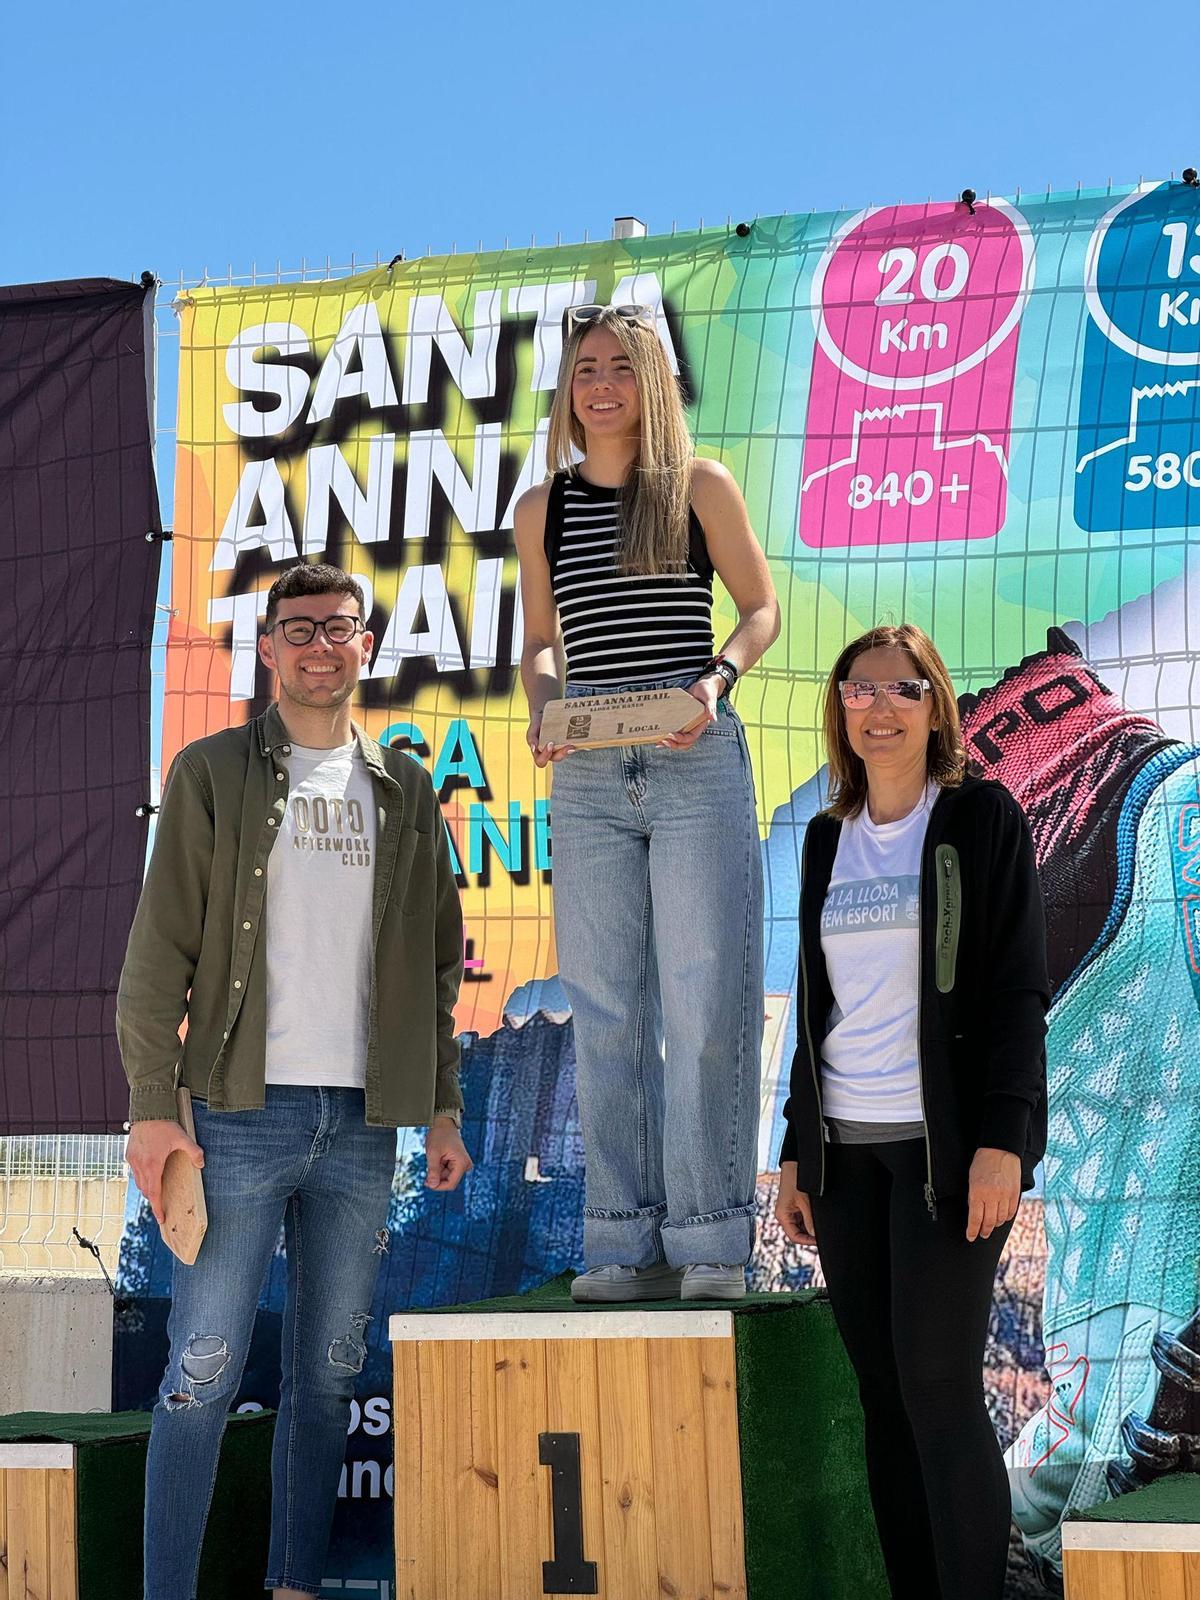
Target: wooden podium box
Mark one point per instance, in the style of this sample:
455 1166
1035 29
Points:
1140 1546
654 1452
72 1491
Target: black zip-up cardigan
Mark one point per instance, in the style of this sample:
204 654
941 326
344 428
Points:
984 991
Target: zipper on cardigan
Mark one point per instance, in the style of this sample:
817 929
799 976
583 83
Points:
812 1057
949 915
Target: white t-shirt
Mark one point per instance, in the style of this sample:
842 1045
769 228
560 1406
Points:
318 921
870 940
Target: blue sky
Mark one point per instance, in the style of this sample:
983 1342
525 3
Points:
218 135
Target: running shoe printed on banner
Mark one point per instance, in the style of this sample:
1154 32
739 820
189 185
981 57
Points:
1114 807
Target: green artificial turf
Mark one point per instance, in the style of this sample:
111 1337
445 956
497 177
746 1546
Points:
110 1466
1175 1498
555 1295
810 1532
70 1427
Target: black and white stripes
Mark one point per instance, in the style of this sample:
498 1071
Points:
619 629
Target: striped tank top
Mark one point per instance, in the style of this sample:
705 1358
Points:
622 629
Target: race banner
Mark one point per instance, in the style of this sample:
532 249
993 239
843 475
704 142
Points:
79 563
979 418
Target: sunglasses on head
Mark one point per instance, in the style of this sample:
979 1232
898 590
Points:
858 694
627 313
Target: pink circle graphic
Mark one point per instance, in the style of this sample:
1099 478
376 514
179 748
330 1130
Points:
911 296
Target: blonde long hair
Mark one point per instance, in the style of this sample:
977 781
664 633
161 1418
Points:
945 756
656 495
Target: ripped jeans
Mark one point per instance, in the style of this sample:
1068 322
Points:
308 1160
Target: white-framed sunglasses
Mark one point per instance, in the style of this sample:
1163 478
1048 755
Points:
858 694
627 313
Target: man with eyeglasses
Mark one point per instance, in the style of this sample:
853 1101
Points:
300 911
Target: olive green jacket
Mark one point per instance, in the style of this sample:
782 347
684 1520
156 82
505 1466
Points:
197 947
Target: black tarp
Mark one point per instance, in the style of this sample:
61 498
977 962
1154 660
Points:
77 591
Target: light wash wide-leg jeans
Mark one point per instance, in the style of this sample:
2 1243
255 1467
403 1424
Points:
658 913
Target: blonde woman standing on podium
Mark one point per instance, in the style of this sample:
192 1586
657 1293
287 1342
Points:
658 899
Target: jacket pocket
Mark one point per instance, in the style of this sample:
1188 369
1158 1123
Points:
949 915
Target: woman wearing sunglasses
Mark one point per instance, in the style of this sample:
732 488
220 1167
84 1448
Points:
658 893
918 1095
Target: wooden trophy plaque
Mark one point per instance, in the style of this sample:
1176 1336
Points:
601 721
185 1215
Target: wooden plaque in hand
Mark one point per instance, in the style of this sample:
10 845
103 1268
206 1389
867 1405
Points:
185 1215
595 722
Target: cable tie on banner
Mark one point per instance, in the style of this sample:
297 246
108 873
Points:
146 809
162 536
86 1244
399 256
1191 177
968 198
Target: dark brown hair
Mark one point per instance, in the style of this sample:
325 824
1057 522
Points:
945 758
313 577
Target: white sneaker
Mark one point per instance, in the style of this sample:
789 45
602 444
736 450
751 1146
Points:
609 1284
707 1282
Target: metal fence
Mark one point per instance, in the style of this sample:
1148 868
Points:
54 1185
57 1190
60 1193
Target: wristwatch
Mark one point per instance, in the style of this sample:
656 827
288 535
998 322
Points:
453 1112
722 667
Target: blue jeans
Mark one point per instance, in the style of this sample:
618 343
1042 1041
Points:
658 915
308 1160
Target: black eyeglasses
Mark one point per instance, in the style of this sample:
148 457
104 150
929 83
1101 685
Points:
858 694
627 313
338 629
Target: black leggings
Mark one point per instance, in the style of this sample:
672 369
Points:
912 1299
